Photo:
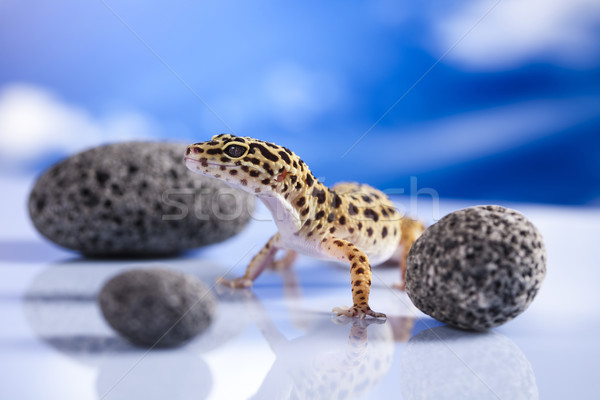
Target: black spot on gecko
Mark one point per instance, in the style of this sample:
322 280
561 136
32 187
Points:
359 226
332 229
254 173
301 201
385 214
267 168
265 153
265 181
285 157
293 179
233 172
370 232
319 194
304 212
384 232
352 209
330 217
362 259
337 201
366 198
360 271
338 243
244 182
214 151
369 213
245 168
342 220
309 179
320 214
298 186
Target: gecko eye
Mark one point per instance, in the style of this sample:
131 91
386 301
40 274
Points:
235 151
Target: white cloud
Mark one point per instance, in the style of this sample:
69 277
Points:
35 122
519 31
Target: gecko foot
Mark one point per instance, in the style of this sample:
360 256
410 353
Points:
400 286
357 311
237 283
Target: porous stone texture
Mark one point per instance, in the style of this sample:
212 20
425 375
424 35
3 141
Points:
134 199
157 307
476 268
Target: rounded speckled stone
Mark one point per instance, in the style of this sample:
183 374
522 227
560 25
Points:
134 199
476 268
157 307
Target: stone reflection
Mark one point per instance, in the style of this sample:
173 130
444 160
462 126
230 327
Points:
60 306
445 363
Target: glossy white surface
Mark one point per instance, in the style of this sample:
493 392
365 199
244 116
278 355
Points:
280 340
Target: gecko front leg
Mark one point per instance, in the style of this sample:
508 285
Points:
258 263
360 276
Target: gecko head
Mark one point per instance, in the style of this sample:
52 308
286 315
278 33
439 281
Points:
246 163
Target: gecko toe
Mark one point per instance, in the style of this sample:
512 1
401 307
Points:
238 283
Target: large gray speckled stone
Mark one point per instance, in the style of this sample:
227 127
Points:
134 199
157 307
476 268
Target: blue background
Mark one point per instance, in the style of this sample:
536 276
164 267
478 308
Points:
476 99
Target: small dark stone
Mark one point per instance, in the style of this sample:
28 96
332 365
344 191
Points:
476 268
157 307
134 199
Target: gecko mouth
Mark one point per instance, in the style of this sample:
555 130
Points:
204 163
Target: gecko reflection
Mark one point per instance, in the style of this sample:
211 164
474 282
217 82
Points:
330 361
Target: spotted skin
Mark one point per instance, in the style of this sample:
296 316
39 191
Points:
351 223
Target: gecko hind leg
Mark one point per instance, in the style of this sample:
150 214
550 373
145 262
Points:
284 262
411 230
258 263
